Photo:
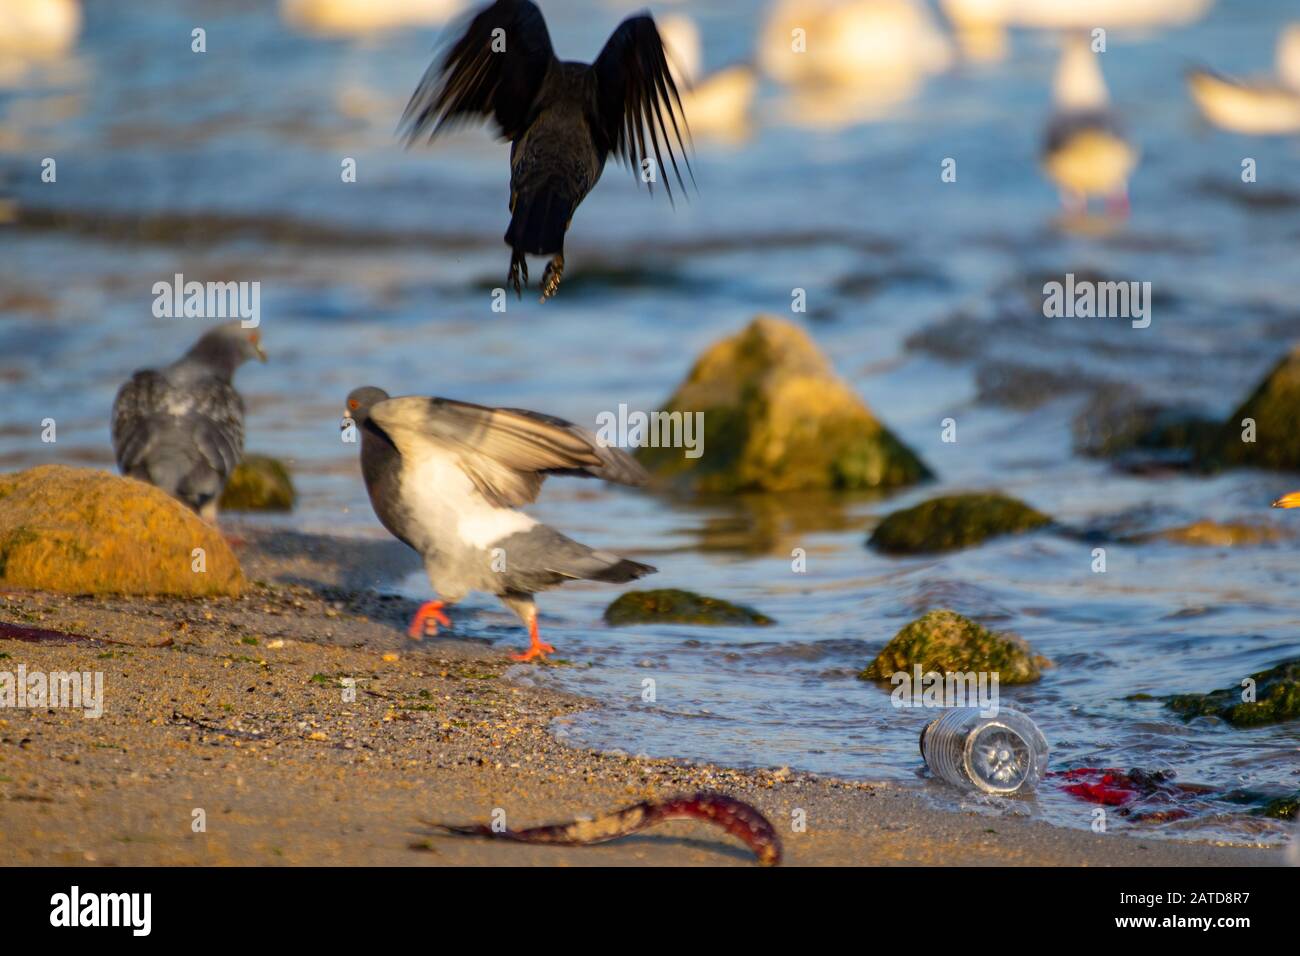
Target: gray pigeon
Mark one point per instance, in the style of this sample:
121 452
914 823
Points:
563 119
445 477
181 428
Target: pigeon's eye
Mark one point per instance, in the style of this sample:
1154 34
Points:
353 404
255 337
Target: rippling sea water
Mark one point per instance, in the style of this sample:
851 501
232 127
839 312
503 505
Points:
226 166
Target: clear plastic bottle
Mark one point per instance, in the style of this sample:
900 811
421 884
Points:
1003 754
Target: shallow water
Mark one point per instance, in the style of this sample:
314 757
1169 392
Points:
917 289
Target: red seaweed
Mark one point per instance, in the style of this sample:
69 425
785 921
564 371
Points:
1146 796
735 816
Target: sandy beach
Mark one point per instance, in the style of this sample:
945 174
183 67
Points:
235 708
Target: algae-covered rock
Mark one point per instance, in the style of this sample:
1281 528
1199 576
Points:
258 483
945 641
674 606
1282 808
954 521
1276 692
1119 422
1274 407
85 531
777 418
1213 534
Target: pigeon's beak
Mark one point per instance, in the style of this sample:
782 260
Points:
1291 500
261 352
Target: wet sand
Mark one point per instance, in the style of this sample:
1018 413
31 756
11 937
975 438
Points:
235 708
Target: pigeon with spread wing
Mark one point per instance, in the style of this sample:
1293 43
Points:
182 427
445 477
563 119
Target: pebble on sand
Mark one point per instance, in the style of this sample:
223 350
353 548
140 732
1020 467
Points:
1276 698
950 522
776 417
945 641
258 483
84 531
674 606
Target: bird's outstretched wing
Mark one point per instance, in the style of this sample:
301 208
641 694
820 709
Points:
506 452
495 69
637 101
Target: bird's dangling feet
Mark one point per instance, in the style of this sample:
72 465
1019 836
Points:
538 648
518 267
551 276
426 620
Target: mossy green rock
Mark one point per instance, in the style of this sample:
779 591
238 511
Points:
1282 808
954 521
674 606
945 641
1275 408
258 483
1277 698
777 418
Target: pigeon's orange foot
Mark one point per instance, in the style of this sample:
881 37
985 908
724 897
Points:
426 620
538 648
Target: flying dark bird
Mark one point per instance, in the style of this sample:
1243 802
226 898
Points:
563 119
445 477
182 427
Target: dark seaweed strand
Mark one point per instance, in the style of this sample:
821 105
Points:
37 635
735 816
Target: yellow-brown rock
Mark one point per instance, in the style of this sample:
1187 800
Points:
1211 534
86 531
778 418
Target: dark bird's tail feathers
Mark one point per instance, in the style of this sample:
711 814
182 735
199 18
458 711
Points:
542 557
540 220
624 570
